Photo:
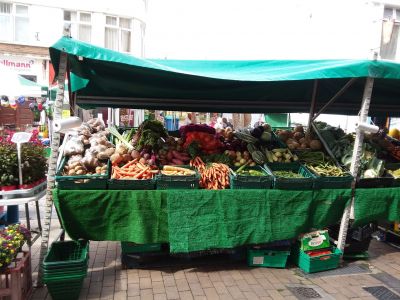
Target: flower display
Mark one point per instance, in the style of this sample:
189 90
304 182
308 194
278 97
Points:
12 239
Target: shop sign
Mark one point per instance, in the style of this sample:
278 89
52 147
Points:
16 64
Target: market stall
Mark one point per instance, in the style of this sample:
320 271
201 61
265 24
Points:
215 217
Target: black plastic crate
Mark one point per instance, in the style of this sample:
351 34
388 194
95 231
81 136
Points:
393 167
362 233
126 184
386 180
178 182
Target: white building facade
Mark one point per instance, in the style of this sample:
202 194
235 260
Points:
29 27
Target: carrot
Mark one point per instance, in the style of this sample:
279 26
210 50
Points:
129 163
140 174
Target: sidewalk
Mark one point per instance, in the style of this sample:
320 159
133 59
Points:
107 280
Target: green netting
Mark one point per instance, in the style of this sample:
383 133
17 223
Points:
376 204
198 220
137 216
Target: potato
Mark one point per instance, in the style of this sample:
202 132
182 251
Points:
71 172
80 172
102 156
110 151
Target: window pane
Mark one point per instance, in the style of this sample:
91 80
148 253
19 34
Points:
21 29
74 17
85 17
5 8
111 38
67 15
389 49
111 21
85 33
125 41
5 28
388 13
22 10
125 23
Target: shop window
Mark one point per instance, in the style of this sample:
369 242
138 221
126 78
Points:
390 33
80 25
118 34
14 22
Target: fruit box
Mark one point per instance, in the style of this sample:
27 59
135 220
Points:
314 240
309 263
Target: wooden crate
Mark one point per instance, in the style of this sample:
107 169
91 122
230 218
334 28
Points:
16 280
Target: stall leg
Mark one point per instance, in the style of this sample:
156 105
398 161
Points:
38 217
355 163
55 144
12 214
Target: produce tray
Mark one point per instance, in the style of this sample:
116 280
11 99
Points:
128 247
306 183
171 182
393 167
133 184
381 182
251 182
333 182
81 182
267 258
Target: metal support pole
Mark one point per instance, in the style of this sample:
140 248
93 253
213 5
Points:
355 163
312 108
55 143
333 99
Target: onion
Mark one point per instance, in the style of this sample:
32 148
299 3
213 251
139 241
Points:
146 156
135 154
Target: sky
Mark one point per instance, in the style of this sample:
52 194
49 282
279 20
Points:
259 29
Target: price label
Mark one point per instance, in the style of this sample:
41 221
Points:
21 137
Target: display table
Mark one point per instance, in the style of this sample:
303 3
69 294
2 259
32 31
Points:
195 220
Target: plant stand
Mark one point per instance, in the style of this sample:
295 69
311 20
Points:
16 281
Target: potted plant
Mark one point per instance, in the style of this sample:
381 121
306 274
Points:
8 166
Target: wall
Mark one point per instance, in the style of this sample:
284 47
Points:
257 29
46 18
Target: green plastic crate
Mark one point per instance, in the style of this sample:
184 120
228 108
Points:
66 254
65 290
251 182
133 184
267 258
128 247
170 182
319 263
81 182
306 183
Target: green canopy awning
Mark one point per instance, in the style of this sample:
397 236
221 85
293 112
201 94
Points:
103 77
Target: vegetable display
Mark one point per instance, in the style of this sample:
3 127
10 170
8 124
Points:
250 172
297 140
148 150
214 176
177 171
134 170
321 165
88 152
